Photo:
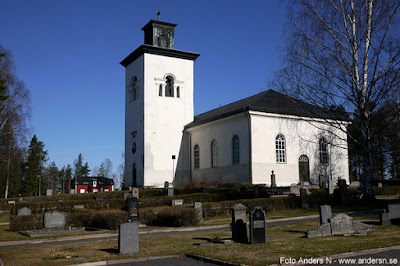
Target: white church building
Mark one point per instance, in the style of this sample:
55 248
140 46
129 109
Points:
240 142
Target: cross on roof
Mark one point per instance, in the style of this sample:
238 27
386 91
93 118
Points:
158 14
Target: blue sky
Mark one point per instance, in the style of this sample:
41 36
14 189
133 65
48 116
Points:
68 52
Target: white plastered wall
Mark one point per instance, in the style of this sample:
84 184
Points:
165 117
302 137
223 131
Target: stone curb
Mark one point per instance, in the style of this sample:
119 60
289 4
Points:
4 223
210 260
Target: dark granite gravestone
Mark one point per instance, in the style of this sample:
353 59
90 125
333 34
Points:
133 209
256 191
343 193
325 213
257 225
303 198
391 214
177 202
166 185
239 223
199 211
128 238
55 219
273 179
24 211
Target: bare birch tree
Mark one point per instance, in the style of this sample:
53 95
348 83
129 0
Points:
14 112
343 53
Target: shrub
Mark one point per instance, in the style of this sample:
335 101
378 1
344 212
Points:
318 196
26 222
170 216
109 219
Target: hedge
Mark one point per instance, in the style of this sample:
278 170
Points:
26 222
392 190
109 219
176 216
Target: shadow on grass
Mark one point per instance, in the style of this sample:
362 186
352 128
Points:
110 250
295 231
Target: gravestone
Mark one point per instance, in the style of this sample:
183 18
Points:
177 202
273 179
55 219
355 184
391 214
24 211
322 183
257 225
239 223
340 224
128 238
303 198
199 211
325 213
78 206
343 193
170 191
49 192
133 209
166 185
135 192
256 191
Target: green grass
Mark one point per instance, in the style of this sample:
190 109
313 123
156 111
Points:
4 218
283 241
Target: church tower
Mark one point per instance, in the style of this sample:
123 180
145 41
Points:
158 103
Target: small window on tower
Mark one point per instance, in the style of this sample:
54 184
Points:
169 87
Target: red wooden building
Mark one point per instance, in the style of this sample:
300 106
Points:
87 184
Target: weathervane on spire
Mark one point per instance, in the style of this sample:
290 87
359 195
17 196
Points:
158 14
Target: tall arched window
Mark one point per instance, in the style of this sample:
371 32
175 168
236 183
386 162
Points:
178 93
134 90
169 87
235 150
323 151
280 147
214 153
196 157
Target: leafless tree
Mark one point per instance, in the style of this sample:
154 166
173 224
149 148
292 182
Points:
14 112
343 53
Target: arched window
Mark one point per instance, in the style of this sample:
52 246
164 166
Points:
235 150
280 147
196 157
134 90
214 153
178 94
323 151
169 87
160 91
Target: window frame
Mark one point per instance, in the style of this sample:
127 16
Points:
196 156
214 153
235 150
280 149
323 151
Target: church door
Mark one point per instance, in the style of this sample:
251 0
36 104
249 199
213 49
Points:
134 181
304 169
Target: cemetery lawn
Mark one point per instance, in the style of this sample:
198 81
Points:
4 218
282 241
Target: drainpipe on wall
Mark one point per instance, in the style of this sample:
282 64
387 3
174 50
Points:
190 154
247 114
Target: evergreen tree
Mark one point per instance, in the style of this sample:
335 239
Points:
85 170
67 178
78 165
34 168
53 178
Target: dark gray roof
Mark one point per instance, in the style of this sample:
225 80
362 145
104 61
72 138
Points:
149 49
268 102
